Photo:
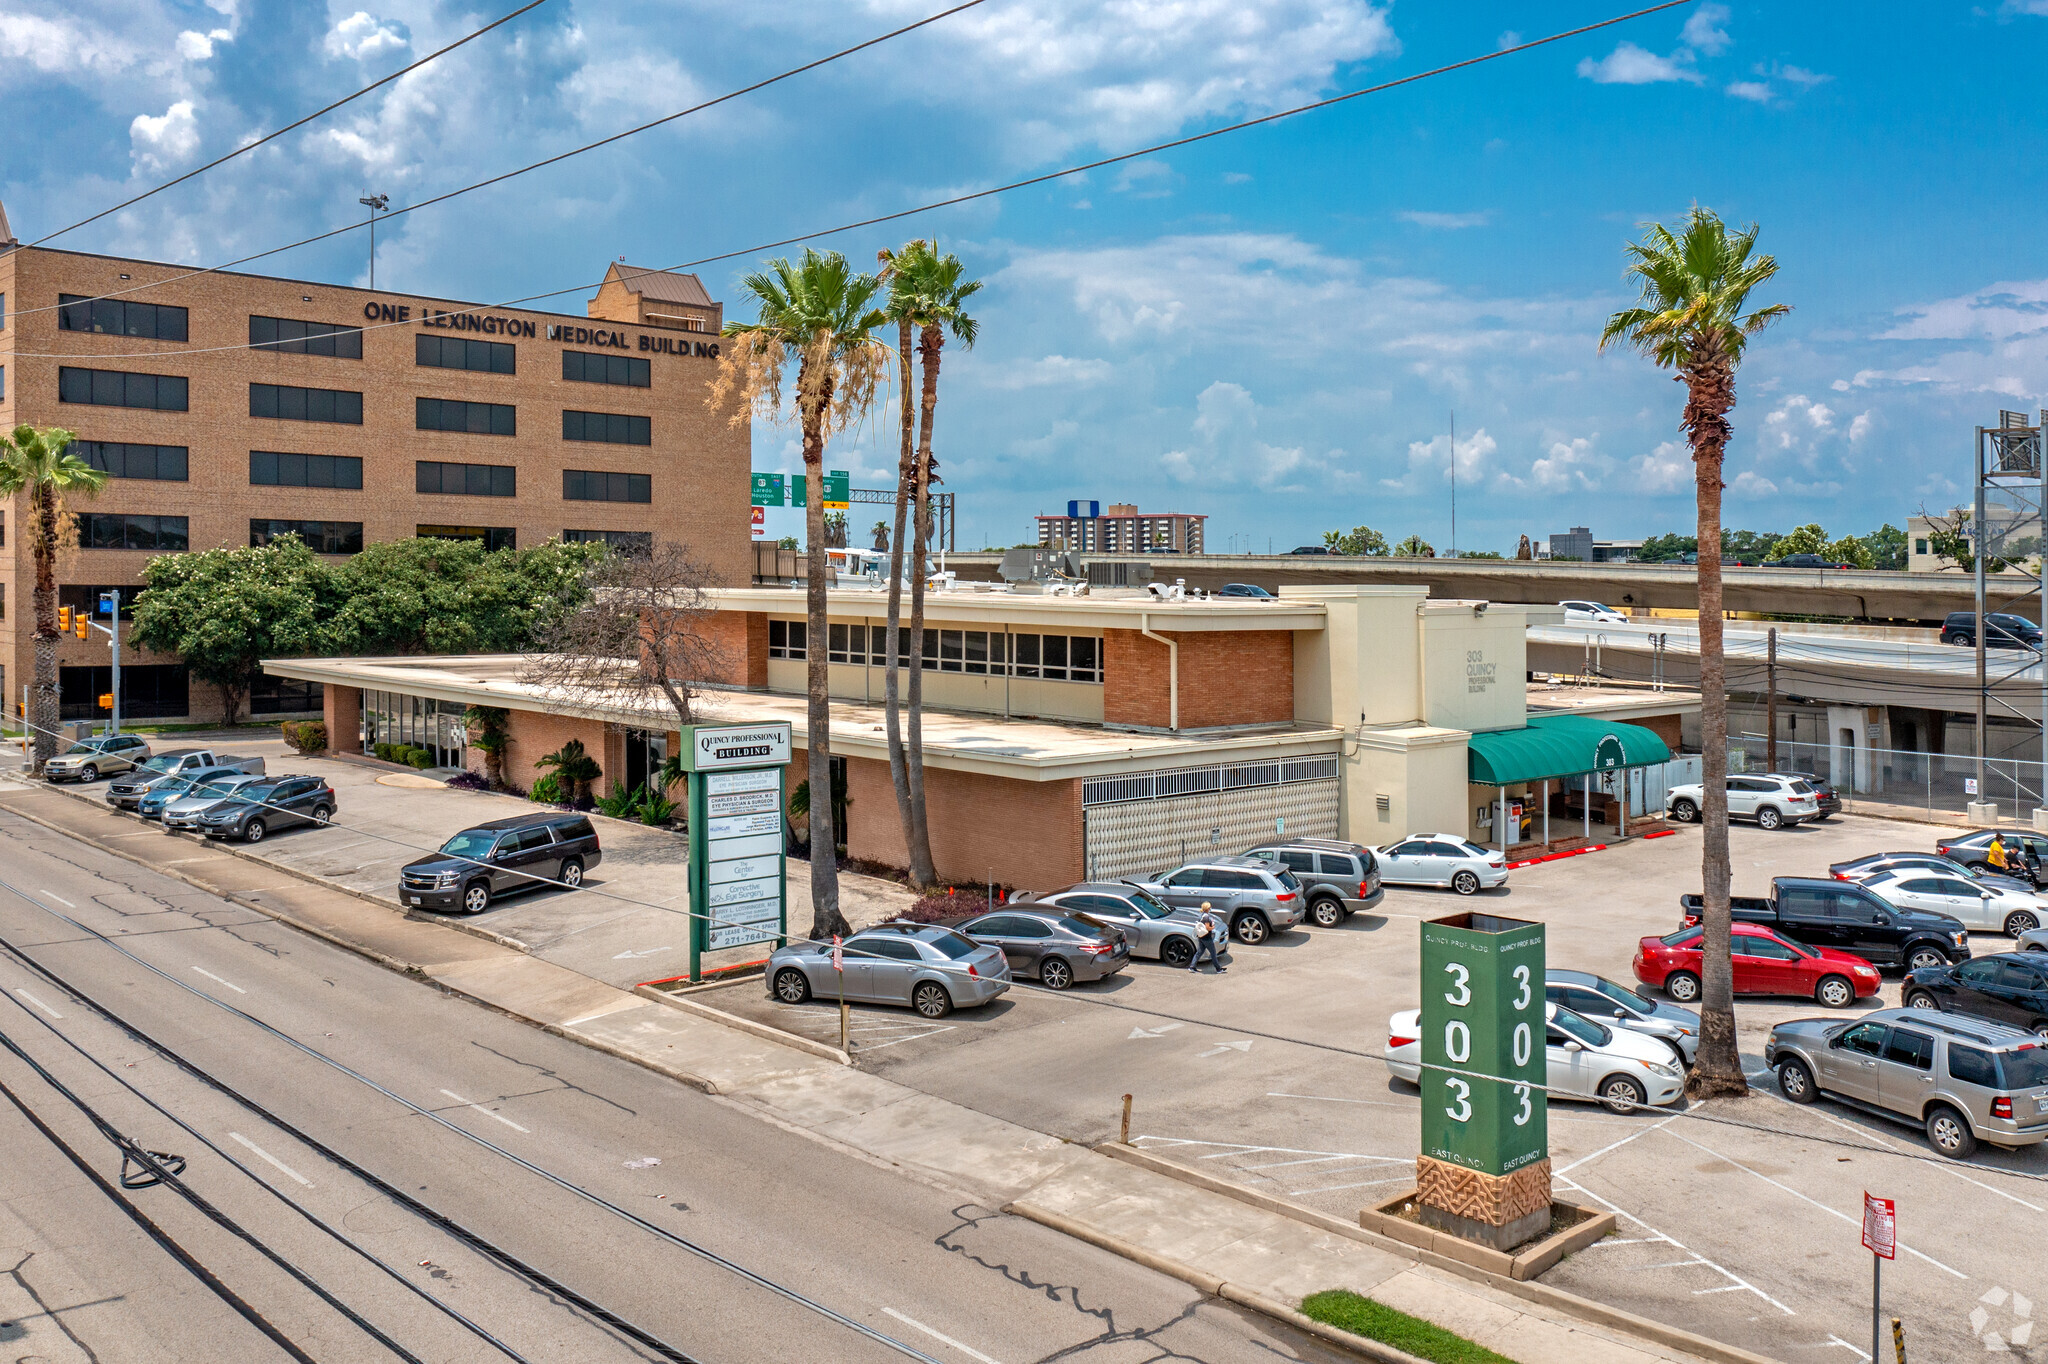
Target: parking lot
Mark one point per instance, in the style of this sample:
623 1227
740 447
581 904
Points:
1738 1219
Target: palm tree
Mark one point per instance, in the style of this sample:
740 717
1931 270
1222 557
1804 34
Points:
818 313
1695 286
927 292
921 872
38 462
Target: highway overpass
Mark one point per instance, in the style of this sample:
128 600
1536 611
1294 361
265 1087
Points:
1857 594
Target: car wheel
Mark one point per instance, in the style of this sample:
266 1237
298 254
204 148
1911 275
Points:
1921 958
931 1000
1176 951
1055 974
2039 1028
572 873
1250 929
2020 921
1835 992
1980 868
1795 1082
1920 999
321 814
88 773
476 897
1769 818
1622 1094
1330 913
1685 812
792 986
1948 1132
1682 986
254 831
1465 883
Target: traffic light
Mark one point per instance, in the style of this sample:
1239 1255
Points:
63 620
80 622
106 700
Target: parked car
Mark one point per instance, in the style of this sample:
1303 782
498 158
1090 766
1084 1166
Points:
1803 561
1583 1059
931 969
1338 878
1605 1001
2007 987
1257 897
162 793
1056 948
1153 928
101 756
1856 868
1961 1080
502 857
125 792
272 803
1765 963
1244 590
1992 909
1309 549
1592 611
1443 860
2034 941
1825 798
2002 631
1973 851
1848 918
183 810
1773 802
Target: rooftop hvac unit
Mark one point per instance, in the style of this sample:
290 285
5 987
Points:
1118 573
1037 563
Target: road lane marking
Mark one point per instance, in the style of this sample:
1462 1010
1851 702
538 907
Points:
272 1159
967 1350
1221 1047
211 976
1615 1146
58 898
54 1014
487 1112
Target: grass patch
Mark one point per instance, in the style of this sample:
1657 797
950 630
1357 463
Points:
1348 1311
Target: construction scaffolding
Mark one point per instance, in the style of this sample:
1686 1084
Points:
2006 540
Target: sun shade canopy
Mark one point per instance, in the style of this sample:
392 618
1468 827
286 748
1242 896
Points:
1561 746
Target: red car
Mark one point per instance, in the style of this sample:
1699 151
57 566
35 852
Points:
1765 964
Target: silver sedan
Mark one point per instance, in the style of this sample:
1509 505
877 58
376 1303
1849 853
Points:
1154 928
182 812
932 970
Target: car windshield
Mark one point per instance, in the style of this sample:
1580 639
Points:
1474 850
82 748
1287 880
254 794
1801 948
1684 937
164 764
1087 928
1800 788
471 843
175 786
1622 995
2025 1067
1585 1029
1146 903
954 946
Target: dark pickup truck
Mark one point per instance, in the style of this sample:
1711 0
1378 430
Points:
1825 913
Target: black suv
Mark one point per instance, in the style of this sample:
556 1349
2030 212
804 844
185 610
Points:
252 811
1338 878
501 858
2003 631
2009 988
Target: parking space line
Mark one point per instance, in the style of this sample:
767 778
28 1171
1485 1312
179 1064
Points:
487 1112
1987 1188
1333 1099
1613 1147
1722 1270
1365 1184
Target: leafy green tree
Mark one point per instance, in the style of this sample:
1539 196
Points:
1886 546
1414 547
1806 539
1849 550
1749 546
1665 549
226 610
1480 554
1362 540
574 770
1694 316
38 462
432 596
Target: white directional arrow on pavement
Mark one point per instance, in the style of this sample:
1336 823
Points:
1221 1047
1160 1031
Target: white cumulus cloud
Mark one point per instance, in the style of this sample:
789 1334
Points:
1424 218
1705 29
162 141
1749 483
1632 65
1666 469
1759 91
364 37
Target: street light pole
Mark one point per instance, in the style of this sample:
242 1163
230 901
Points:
111 603
376 203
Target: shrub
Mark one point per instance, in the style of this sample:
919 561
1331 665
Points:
419 757
547 790
621 803
468 781
657 809
942 906
306 736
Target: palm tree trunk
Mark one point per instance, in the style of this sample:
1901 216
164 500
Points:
44 709
930 342
826 920
1710 384
906 473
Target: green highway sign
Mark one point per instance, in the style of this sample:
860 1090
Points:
835 490
768 490
1483 1056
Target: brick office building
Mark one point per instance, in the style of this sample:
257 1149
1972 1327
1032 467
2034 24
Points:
231 408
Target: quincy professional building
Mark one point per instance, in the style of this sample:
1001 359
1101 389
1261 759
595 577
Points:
228 409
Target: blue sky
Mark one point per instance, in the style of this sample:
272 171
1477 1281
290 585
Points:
1274 327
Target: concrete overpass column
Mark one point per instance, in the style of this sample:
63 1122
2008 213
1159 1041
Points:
1848 749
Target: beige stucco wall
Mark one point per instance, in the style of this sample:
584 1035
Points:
1420 770
1366 667
1473 665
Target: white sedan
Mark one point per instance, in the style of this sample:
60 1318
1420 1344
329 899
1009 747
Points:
1592 611
1442 860
1622 1069
1982 905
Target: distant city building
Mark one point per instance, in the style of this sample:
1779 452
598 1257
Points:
1123 529
2018 536
1578 543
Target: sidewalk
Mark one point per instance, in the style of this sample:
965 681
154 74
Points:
1252 1255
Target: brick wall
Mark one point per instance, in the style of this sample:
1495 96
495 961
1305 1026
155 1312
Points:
1665 727
740 640
342 709
1024 833
533 735
1227 677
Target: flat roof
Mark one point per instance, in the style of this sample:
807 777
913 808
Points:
967 605
1027 750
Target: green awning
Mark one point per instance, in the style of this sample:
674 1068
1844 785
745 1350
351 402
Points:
1561 746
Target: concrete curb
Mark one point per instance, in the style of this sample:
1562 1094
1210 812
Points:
746 1025
1216 1288
1556 1299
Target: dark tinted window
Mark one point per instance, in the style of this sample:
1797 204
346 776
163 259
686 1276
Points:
584 367
476 419
455 352
1909 1048
120 388
1867 1038
1806 902
490 537
620 541
954 946
614 428
306 338
287 403
1684 937
2024 1068
170 463
894 948
121 317
322 537
116 530
575 828
591 485
1335 864
1081 927
469 480
279 468
1972 1065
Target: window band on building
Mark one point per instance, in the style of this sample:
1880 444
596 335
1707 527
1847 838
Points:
460 352
295 337
122 317
121 388
322 537
593 485
288 403
490 537
116 459
621 541
613 428
476 419
125 530
282 469
466 480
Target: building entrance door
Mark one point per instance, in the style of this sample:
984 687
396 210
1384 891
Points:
646 751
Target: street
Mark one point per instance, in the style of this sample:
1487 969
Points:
914 1263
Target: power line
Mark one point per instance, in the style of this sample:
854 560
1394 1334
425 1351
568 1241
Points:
908 212
272 137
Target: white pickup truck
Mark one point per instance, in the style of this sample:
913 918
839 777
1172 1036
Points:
126 792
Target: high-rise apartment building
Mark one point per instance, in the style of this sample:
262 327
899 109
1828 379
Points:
1122 529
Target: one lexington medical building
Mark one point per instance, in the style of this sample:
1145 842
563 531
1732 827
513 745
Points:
229 409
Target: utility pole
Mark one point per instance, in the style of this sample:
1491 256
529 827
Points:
1979 543
1454 483
376 203
1771 699
111 603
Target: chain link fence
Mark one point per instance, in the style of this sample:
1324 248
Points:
1942 785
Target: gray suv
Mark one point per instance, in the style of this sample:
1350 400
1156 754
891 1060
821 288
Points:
1963 1080
1338 878
1256 896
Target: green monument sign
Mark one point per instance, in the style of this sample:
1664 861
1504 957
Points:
738 877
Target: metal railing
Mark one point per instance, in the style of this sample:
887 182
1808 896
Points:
1188 781
1941 784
